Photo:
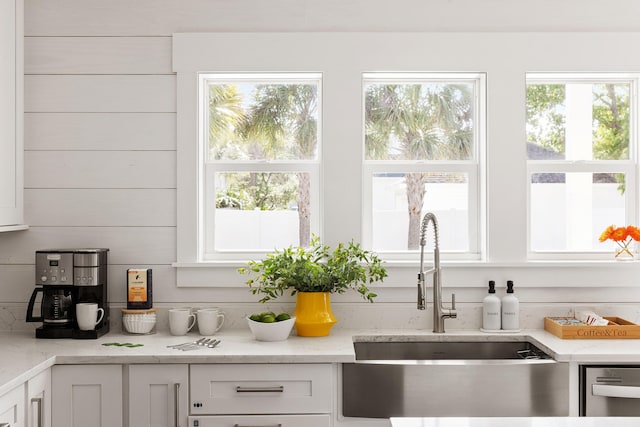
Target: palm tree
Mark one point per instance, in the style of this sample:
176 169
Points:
418 122
225 114
282 124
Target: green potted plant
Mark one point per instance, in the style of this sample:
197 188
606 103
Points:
312 274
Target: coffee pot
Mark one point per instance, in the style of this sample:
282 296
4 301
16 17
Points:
66 277
57 306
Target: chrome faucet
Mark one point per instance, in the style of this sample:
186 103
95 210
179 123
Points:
439 312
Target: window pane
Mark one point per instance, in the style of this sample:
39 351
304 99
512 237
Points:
569 211
259 211
419 121
264 120
578 121
445 194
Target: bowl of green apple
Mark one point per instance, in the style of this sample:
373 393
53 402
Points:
269 326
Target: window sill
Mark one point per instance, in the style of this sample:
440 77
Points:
463 274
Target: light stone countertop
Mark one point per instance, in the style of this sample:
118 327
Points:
22 355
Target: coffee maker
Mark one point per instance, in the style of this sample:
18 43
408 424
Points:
66 277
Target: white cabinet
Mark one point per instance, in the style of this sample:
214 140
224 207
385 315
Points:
39 400
86 395
12 408
117 395
28 405
11 114
158 395
181 395
261 395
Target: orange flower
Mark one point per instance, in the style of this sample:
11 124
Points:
633 232
606 234
619 234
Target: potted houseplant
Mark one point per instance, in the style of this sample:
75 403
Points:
312 274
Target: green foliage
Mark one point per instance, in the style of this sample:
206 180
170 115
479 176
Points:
225 115
546 119
230 199
418 121
545 116
315 269
611 122
258 190
611 125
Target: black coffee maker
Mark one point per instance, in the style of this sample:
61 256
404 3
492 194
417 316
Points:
66 277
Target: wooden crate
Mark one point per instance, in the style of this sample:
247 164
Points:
617 328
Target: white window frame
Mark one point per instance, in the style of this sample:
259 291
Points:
207 208
506 58
473 168
627 167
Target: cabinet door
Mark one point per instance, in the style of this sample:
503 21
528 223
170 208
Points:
39 400
158 395
11 113
86 395
12 408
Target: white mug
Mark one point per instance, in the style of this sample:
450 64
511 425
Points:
210 320
181 321
87 315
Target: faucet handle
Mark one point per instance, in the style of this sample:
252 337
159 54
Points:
453 301
421 299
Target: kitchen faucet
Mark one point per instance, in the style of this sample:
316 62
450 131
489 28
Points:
439 312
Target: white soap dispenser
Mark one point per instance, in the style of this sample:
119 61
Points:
510 310
491 309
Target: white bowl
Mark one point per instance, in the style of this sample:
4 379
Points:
275 331
138 324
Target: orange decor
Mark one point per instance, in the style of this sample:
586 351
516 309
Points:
623 236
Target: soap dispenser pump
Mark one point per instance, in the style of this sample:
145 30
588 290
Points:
510 310
491 310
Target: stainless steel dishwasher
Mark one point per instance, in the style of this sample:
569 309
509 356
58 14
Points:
609 391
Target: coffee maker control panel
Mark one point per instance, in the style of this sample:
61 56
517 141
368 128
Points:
87 276
54 268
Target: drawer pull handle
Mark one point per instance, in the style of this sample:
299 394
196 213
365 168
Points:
275 389
176 404
269 425
629 392
38 400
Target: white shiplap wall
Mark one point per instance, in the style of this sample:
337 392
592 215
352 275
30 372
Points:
100 116
99 146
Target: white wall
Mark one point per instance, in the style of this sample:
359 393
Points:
100 117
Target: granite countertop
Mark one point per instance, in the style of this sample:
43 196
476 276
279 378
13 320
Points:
22 355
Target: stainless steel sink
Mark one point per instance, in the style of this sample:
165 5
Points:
454 378
448 350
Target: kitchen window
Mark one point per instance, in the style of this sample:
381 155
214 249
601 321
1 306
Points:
260 141
581 168
422 150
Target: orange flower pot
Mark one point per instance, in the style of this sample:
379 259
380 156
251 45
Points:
313 314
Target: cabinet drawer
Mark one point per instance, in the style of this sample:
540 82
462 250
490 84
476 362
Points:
260 389
261 421
12 407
